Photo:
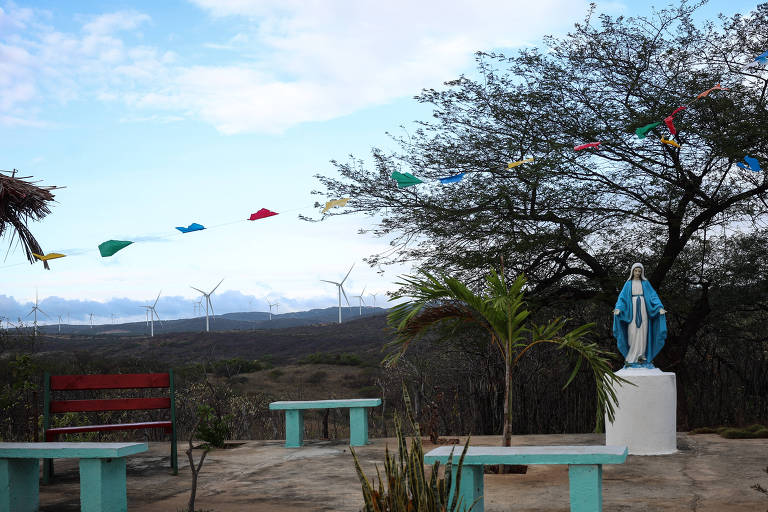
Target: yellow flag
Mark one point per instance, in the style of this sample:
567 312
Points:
670 142
519 162
335 202
49 256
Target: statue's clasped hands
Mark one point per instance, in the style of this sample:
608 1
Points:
662 311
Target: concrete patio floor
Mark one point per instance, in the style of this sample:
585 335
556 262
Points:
708 473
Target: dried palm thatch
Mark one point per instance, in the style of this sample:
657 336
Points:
22 200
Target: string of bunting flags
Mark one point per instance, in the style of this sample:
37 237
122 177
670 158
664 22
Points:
406 179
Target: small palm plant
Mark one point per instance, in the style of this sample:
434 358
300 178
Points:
501 310
407 488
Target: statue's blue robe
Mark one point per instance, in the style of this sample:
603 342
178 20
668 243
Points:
657 323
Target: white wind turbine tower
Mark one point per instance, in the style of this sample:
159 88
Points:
341 289
208 302
35 309
91 315
275 305
374 299
152 313
360 298
59 324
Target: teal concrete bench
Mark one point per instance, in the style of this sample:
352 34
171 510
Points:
585 468
102 474
294 418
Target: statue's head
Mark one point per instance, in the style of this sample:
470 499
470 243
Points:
637 272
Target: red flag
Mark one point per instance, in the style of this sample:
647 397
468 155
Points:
668 120
585 146
262 214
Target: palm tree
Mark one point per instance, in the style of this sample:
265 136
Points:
20 201
501 310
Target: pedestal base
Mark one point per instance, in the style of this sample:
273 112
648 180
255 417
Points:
646 417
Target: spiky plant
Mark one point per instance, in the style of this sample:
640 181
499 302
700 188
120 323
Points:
406 487
500 309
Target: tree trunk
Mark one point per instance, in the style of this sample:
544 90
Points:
506 435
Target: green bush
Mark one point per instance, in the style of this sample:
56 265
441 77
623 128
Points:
212 428
407 487
276 373
340 358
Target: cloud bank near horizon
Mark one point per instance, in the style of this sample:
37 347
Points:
122 310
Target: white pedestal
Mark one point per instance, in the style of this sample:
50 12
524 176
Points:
646 417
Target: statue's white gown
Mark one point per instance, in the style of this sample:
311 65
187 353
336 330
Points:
637 337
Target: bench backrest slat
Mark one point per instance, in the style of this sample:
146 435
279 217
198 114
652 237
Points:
113 381
112 404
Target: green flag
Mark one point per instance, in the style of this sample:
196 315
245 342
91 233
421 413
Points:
642 132
110 247
405 179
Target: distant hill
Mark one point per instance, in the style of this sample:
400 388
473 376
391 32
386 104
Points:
364 336
245 321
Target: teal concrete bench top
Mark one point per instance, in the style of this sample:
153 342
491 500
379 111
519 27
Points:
324 404
294 417
531 455
69 450
585 469
102 474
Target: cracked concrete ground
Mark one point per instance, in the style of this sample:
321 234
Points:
708 474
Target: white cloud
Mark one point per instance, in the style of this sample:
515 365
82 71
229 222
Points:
287 61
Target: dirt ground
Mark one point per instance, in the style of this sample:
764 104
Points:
708 474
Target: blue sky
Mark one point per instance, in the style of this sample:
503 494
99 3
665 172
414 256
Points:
159 114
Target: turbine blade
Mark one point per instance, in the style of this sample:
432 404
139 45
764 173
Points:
332 282
214 289
345 294
346 276
211 304
157 299
198 289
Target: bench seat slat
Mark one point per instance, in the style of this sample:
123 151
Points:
69 450
324 404
110 381
111 404
477 455
52 432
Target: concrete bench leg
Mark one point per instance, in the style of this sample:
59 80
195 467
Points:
294 428
471 487
102 485
586 482
358 426
19 485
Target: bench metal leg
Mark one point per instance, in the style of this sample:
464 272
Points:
586 482
471 487
294 428
19 485
102 485
358 426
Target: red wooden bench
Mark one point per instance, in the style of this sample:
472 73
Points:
54 383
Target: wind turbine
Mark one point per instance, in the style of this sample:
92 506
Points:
341 289
374 299
59 324
91 315
208 302
35 309
152 313
360 297
276 305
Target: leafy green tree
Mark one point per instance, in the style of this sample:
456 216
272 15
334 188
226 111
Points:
574 221
501 310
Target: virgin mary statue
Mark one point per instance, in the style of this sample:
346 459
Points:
639 322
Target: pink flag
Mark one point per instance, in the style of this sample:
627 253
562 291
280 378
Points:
585 146
262 214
